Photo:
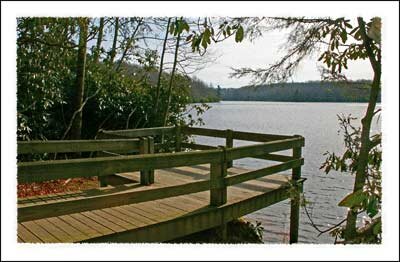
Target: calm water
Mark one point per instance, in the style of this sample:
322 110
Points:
317 122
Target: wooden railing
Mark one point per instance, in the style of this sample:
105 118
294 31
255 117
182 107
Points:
142 140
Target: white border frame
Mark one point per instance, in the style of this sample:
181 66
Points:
388 250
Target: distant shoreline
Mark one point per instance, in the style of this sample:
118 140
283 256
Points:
333 102
260 101
341 92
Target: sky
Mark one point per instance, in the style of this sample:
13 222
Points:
261 53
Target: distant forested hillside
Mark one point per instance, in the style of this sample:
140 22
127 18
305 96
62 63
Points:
313 91
198 90
202 92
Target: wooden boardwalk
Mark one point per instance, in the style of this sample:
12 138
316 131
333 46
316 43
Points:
126 211
152 221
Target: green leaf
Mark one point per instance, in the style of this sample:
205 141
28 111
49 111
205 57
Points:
189 37
321 57
239 34
343 35
185 26
228 30
357 35
348 25
372 207
332 45
327 169
377 229
204 43
354 30
353 199
207 34
171 28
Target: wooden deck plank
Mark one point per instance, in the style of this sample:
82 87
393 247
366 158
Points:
178 203
173 204
164 212
197 221
161 210
40 232
92 224
27 236
149 221
78 225
111 216
139 211
148 209
105 222
74 233
124 217
163 206
141 220
57 231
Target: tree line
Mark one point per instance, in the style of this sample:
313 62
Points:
311 91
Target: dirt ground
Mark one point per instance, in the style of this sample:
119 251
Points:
56 186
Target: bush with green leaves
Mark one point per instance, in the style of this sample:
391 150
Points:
113 99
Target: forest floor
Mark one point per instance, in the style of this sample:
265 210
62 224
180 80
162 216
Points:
56 186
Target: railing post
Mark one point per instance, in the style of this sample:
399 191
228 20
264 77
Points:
151 151
144 149
229 144
102 179
178 139
295 201
218 171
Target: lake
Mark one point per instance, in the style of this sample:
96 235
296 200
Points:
318 123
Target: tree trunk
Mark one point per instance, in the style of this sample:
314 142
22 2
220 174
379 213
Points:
114 46
99 40
361 173
171 80
161 69
75 132
128 45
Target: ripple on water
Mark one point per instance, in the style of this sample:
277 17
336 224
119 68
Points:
317 122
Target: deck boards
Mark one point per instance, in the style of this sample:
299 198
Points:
156 220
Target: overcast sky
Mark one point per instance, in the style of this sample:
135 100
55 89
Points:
261 53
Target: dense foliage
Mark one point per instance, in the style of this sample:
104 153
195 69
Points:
117 95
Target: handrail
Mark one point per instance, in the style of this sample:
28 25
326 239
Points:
135 133
100 166
204 131
264 148
197 146
238 135
69 146
218 158
87 167
257 137
109 200
254 174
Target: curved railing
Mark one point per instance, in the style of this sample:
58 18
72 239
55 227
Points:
142 141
